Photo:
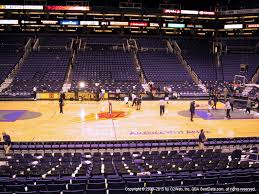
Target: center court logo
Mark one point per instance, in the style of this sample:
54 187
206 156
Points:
106 115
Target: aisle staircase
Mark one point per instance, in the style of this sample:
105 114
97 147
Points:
68 79
8 81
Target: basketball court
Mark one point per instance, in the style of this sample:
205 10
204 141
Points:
90 121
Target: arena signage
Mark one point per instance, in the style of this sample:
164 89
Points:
35 7
119 23
252 25
8 21
49 21
104 23
194 26
191 12
89 23
175 11
140 24
28 22
69 22
242 12
233 26
154 24
175 25
70 8
206 13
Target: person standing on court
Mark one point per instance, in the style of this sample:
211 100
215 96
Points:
102 94
162 107
231 101
192 109
202 139
215 101
138 102
227 108
110 107
61 104
134 99
166 95
248 106
63 95
7 142
209 105
225 91
34 93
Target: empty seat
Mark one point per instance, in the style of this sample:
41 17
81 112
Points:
79 186
95 191
49 192
73 192
38 187
15 188
118 191
96 185
56 187
116 185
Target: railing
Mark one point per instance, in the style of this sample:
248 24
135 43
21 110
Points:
177 50
10 77
68 78
69 46
134 45
138 67
128 45
27 49
255 76
28 44
123 46
170 48
36 44
80 43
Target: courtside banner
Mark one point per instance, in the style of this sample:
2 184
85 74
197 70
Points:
48 96
55 95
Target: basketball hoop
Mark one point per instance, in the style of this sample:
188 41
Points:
239 80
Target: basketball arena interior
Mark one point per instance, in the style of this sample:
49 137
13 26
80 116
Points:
129 96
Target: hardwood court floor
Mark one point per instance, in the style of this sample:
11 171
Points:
80 121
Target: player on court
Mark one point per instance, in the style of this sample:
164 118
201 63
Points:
166 95
138 102
210 104
192 109
110 107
